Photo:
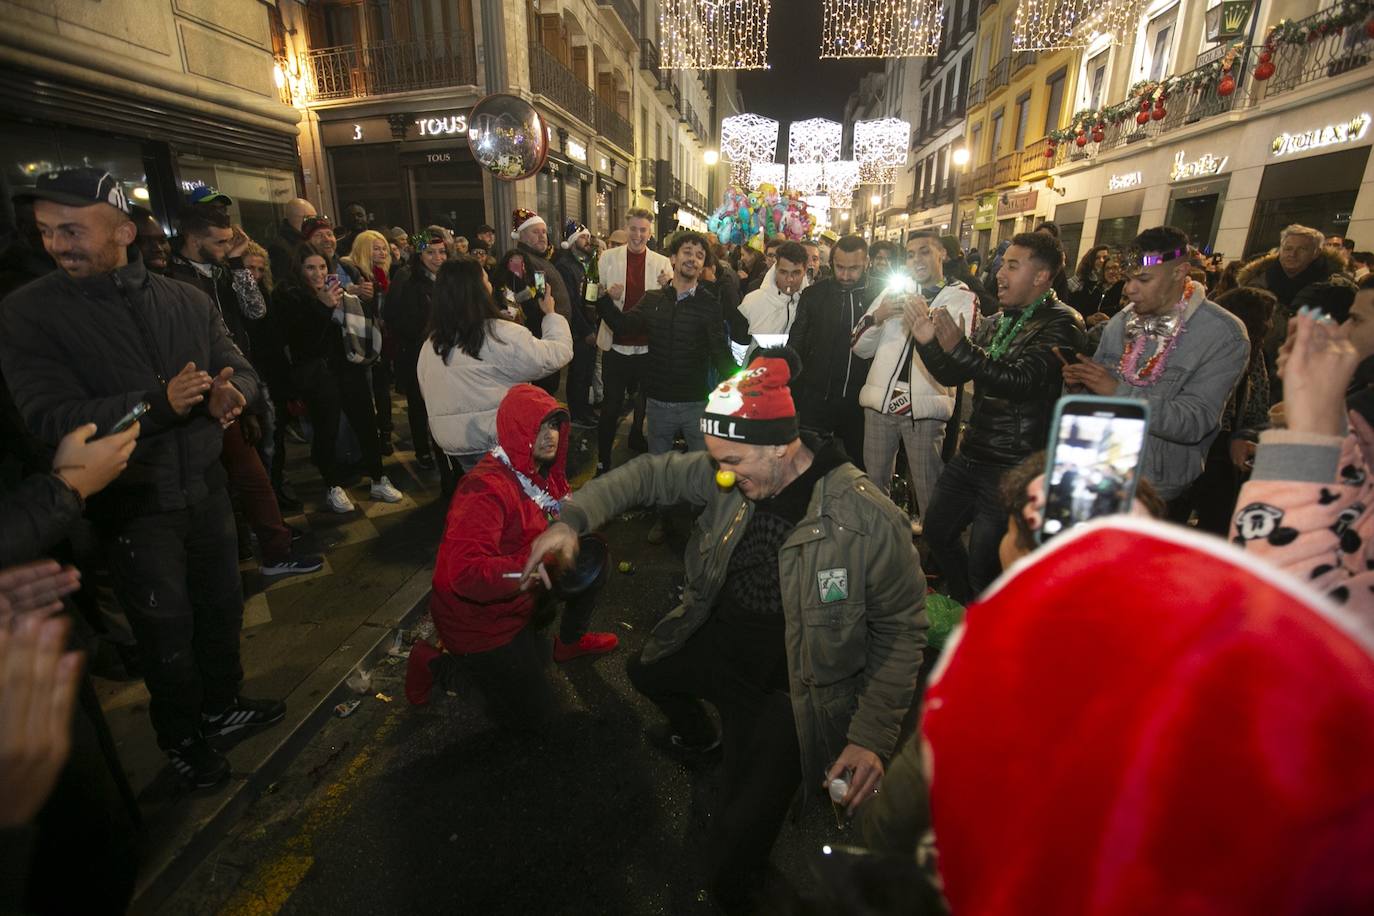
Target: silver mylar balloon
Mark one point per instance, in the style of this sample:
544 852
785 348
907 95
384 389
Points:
507 136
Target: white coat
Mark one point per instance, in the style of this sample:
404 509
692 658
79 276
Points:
611 268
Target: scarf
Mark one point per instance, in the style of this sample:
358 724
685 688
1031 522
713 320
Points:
541 497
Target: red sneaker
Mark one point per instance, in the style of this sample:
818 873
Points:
419 679
589 644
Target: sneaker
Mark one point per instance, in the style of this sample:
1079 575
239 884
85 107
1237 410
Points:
425 461
338 500
587 644
199 763
385 491
242 713
419 675
585 421
293 566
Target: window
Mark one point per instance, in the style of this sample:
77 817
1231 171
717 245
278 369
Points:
1156 39
996 149
976 146
964 69
1055 110
1022 117
1007 25
1096 79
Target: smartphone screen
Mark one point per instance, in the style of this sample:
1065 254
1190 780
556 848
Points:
539 280
1095 449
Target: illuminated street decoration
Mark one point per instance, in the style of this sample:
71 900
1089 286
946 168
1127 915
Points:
748 138
880 149
1048 25
881 28
814 140
773 173
715 34
806 178
841 181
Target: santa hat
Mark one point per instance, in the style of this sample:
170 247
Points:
754 406
1138 718
572 230
522 219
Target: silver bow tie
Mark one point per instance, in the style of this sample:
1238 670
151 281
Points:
1160 326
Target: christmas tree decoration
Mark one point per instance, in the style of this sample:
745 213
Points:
1264 70
880 148
814 140
748 138
881 28
714 34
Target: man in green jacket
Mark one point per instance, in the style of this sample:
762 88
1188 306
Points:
801 620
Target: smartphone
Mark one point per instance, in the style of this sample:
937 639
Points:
539 282
898 282
1094 459
129 418
1067 355
331 281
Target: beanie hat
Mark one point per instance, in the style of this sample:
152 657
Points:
572 229
753 406
1205 753
521 219
314 224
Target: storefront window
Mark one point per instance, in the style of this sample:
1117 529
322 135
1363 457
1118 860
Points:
603 211
371 175
30 151
260 195
1318 191
447 193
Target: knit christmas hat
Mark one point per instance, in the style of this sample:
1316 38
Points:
572 229
521 219
754 406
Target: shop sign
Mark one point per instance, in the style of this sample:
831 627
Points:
1122 182
575 150
604 165
985 212
1228 19
446 126
1018 202
1351 131
357 132
1198 168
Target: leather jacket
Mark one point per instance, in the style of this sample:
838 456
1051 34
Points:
1013 397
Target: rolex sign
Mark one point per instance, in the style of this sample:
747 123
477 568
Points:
1228 19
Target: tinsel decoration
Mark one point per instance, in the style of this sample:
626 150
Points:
881 28
1330 22
814 140
748 138
714 34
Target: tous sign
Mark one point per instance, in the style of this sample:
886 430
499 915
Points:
442 127
1349 132
1207 165
1122 182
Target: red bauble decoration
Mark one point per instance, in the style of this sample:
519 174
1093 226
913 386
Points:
1080 140
1266 56
1158 114
1226 86
1049 152
1264 71
1144 104
1143 117
1098 135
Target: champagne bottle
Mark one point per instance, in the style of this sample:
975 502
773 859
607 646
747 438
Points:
593 287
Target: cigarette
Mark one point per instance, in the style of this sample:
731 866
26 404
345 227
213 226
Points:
514 575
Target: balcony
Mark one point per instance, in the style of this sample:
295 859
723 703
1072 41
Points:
1326 57
560 85
1007 169
648 58
998 75
385 67
975 93
668 185
628 13
648 175
695 199
954 115
611 126
1034 163
1021 60
980 179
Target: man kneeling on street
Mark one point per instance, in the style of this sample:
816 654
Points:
481 611
801 621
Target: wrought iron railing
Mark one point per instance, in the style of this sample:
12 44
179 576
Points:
1033 159
1327 56
998 75
1007 169
648 57
611 126
1021 60
558 84
383 67
980 178
975 93
627 11
954 114
648 174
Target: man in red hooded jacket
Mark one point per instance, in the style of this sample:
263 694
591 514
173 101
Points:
479 610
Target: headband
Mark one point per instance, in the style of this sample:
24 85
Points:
1134 259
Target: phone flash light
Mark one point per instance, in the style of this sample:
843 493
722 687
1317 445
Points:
725 479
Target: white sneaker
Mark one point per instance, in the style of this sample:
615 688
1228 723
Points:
384 490
338 500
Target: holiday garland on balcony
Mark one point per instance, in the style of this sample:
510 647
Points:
1305 31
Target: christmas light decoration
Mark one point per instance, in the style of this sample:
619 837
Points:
881 28
1049 25
714 34
806 178
880 147
773 173
814 140
748 138
841 181
739 174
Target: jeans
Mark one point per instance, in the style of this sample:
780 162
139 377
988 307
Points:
883 432
248 479
669 419
968 492
330 392
380 378
177 576
618 370
762 759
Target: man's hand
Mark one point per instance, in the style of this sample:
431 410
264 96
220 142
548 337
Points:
546 304
615 291
239 243
251 428
35 588
187 389
37 690
946 331
665 277
917 320
88 466
226 401
868 772
1242 454
892 307
1090 376
558 540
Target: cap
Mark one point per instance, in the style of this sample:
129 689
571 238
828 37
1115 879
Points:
208 195
83 187
314 224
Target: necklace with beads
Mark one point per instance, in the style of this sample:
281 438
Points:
1132 373
1005 332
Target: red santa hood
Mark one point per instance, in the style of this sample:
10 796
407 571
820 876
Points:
1153 722
523 410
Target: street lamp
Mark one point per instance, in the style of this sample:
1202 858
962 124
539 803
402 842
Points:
960 158
711 157
876 199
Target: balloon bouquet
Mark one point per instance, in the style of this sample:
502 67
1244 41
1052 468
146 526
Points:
753 218
733 220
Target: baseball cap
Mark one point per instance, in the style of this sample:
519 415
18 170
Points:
83 187
208 195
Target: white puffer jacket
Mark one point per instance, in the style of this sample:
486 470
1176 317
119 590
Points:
769 310
462 394
885 343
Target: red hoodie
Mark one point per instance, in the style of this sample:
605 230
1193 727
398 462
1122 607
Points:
491 523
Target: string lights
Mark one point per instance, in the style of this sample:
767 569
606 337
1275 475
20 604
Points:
1050 25
814 140
880 148
806 178
715 34
748 138
739 174
841 181
881 28
773 173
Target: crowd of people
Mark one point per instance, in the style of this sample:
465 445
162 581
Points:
152 386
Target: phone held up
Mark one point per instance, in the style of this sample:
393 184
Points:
1093 459
130 418
539 282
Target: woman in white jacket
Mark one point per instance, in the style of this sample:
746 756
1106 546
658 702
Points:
474 354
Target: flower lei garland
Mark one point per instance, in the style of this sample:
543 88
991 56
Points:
1155 365
541 497
1003 334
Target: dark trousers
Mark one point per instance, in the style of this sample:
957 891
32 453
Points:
249 481
381 394
177 576
418 417
617 372
329 393
842 418
968 492
580 377
762 760
1213 495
